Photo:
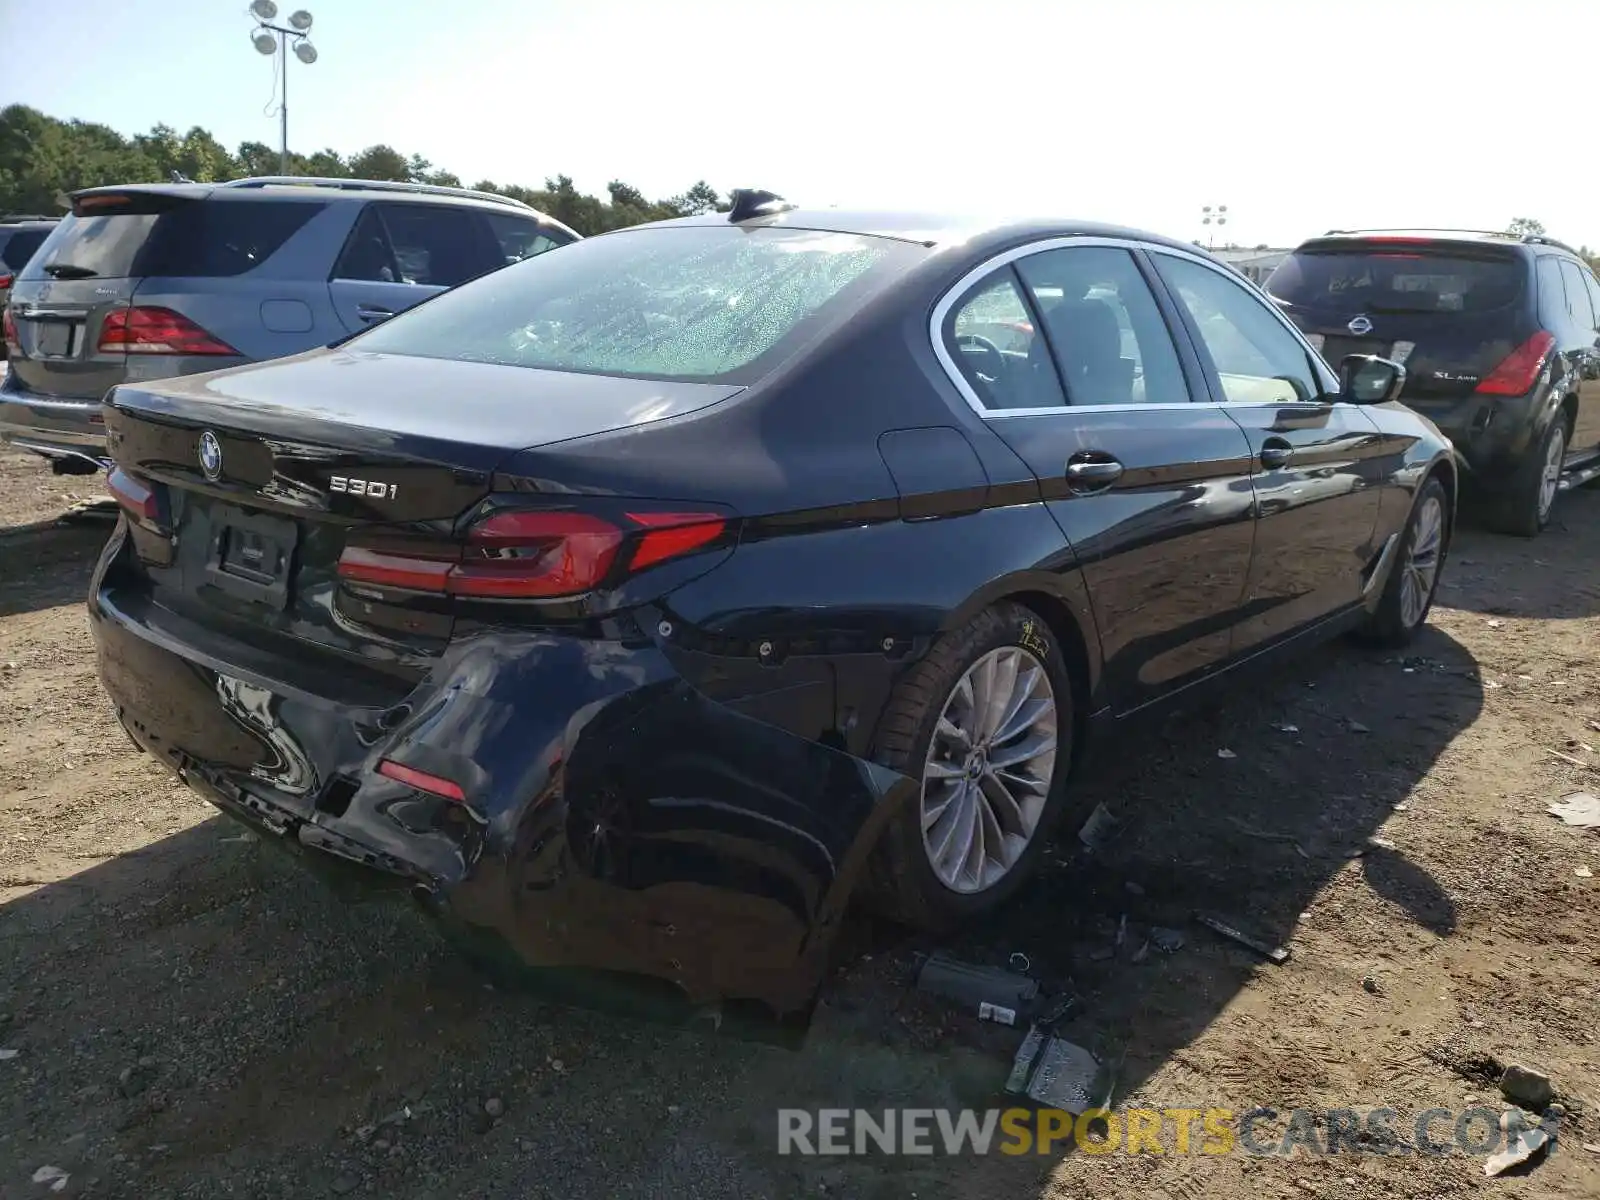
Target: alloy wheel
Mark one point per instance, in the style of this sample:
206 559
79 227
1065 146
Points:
988 770
1550 478
1421 568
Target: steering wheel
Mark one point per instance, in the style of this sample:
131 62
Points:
990 350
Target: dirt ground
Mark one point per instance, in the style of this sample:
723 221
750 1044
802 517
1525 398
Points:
192 1017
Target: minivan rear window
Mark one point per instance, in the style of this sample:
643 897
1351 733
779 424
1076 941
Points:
701 303
189 239
1409 279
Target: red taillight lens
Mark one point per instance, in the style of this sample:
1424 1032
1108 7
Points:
535 555
672 534
435 784
150 330
8 324
5 280
133 494
532 554
1519 370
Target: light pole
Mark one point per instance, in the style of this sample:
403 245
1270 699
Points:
1212 216
268 38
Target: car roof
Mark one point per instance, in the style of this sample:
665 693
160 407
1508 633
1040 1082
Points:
928 229
350 191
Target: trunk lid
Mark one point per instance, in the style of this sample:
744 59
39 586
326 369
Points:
263 474
1448 311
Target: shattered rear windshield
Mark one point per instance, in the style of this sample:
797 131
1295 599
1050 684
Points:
703 303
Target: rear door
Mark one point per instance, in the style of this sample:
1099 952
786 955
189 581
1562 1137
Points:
1585 327
1153 492
1318 465
400 253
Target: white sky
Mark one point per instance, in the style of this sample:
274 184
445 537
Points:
1300 115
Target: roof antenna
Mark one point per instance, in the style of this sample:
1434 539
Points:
749 203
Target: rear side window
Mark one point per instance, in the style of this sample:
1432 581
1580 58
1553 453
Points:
193 238
1553 311
1578 304
519 238
1409 279
698 303
19 247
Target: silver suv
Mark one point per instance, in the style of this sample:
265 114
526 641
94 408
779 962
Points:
150 281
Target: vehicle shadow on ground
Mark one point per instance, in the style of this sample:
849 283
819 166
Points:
1551 576
276 1028
48 563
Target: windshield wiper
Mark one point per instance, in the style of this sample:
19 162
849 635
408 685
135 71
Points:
68 271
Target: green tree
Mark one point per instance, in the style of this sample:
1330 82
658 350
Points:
382 162
1525 227
42 158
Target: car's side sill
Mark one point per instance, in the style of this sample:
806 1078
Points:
1106 722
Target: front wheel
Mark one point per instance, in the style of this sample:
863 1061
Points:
1414 579
984 722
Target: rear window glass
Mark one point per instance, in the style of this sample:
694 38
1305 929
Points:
697 303
1396 281
197 238
19 247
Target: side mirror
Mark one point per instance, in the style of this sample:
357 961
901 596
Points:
1368 379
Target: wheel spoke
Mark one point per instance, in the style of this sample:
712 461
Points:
1029 748
937 769
1019 712
1008 813
933 811
950 731
955 816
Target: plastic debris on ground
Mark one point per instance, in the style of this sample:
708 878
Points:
992 993
1522 1144
1097 830
1277 954
1581 810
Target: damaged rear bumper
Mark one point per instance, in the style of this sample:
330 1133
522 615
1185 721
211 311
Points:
615 818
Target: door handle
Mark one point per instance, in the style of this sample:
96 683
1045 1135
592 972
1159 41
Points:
1092 474
373 313
1275 453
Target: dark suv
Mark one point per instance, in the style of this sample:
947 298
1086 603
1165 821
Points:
152 281
1499 334
20 236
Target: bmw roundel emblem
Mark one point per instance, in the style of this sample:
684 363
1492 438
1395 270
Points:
1360 325
210 455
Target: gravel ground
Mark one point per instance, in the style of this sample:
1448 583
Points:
192 1017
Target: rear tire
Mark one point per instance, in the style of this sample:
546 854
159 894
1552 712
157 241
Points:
1414 578
1525 507
984 723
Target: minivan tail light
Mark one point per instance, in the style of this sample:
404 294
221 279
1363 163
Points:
5 280
536 554
1519 370
146 329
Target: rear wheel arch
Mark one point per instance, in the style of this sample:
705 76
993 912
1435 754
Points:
1073 629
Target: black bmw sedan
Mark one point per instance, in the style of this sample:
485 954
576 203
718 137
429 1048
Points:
640 605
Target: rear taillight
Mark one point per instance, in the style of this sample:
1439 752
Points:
536 554
9 325
150 330
5 280
134 494
1519 370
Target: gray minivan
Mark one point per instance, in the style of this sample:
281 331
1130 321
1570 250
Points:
151 281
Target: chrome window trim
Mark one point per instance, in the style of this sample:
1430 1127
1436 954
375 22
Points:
1005 258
